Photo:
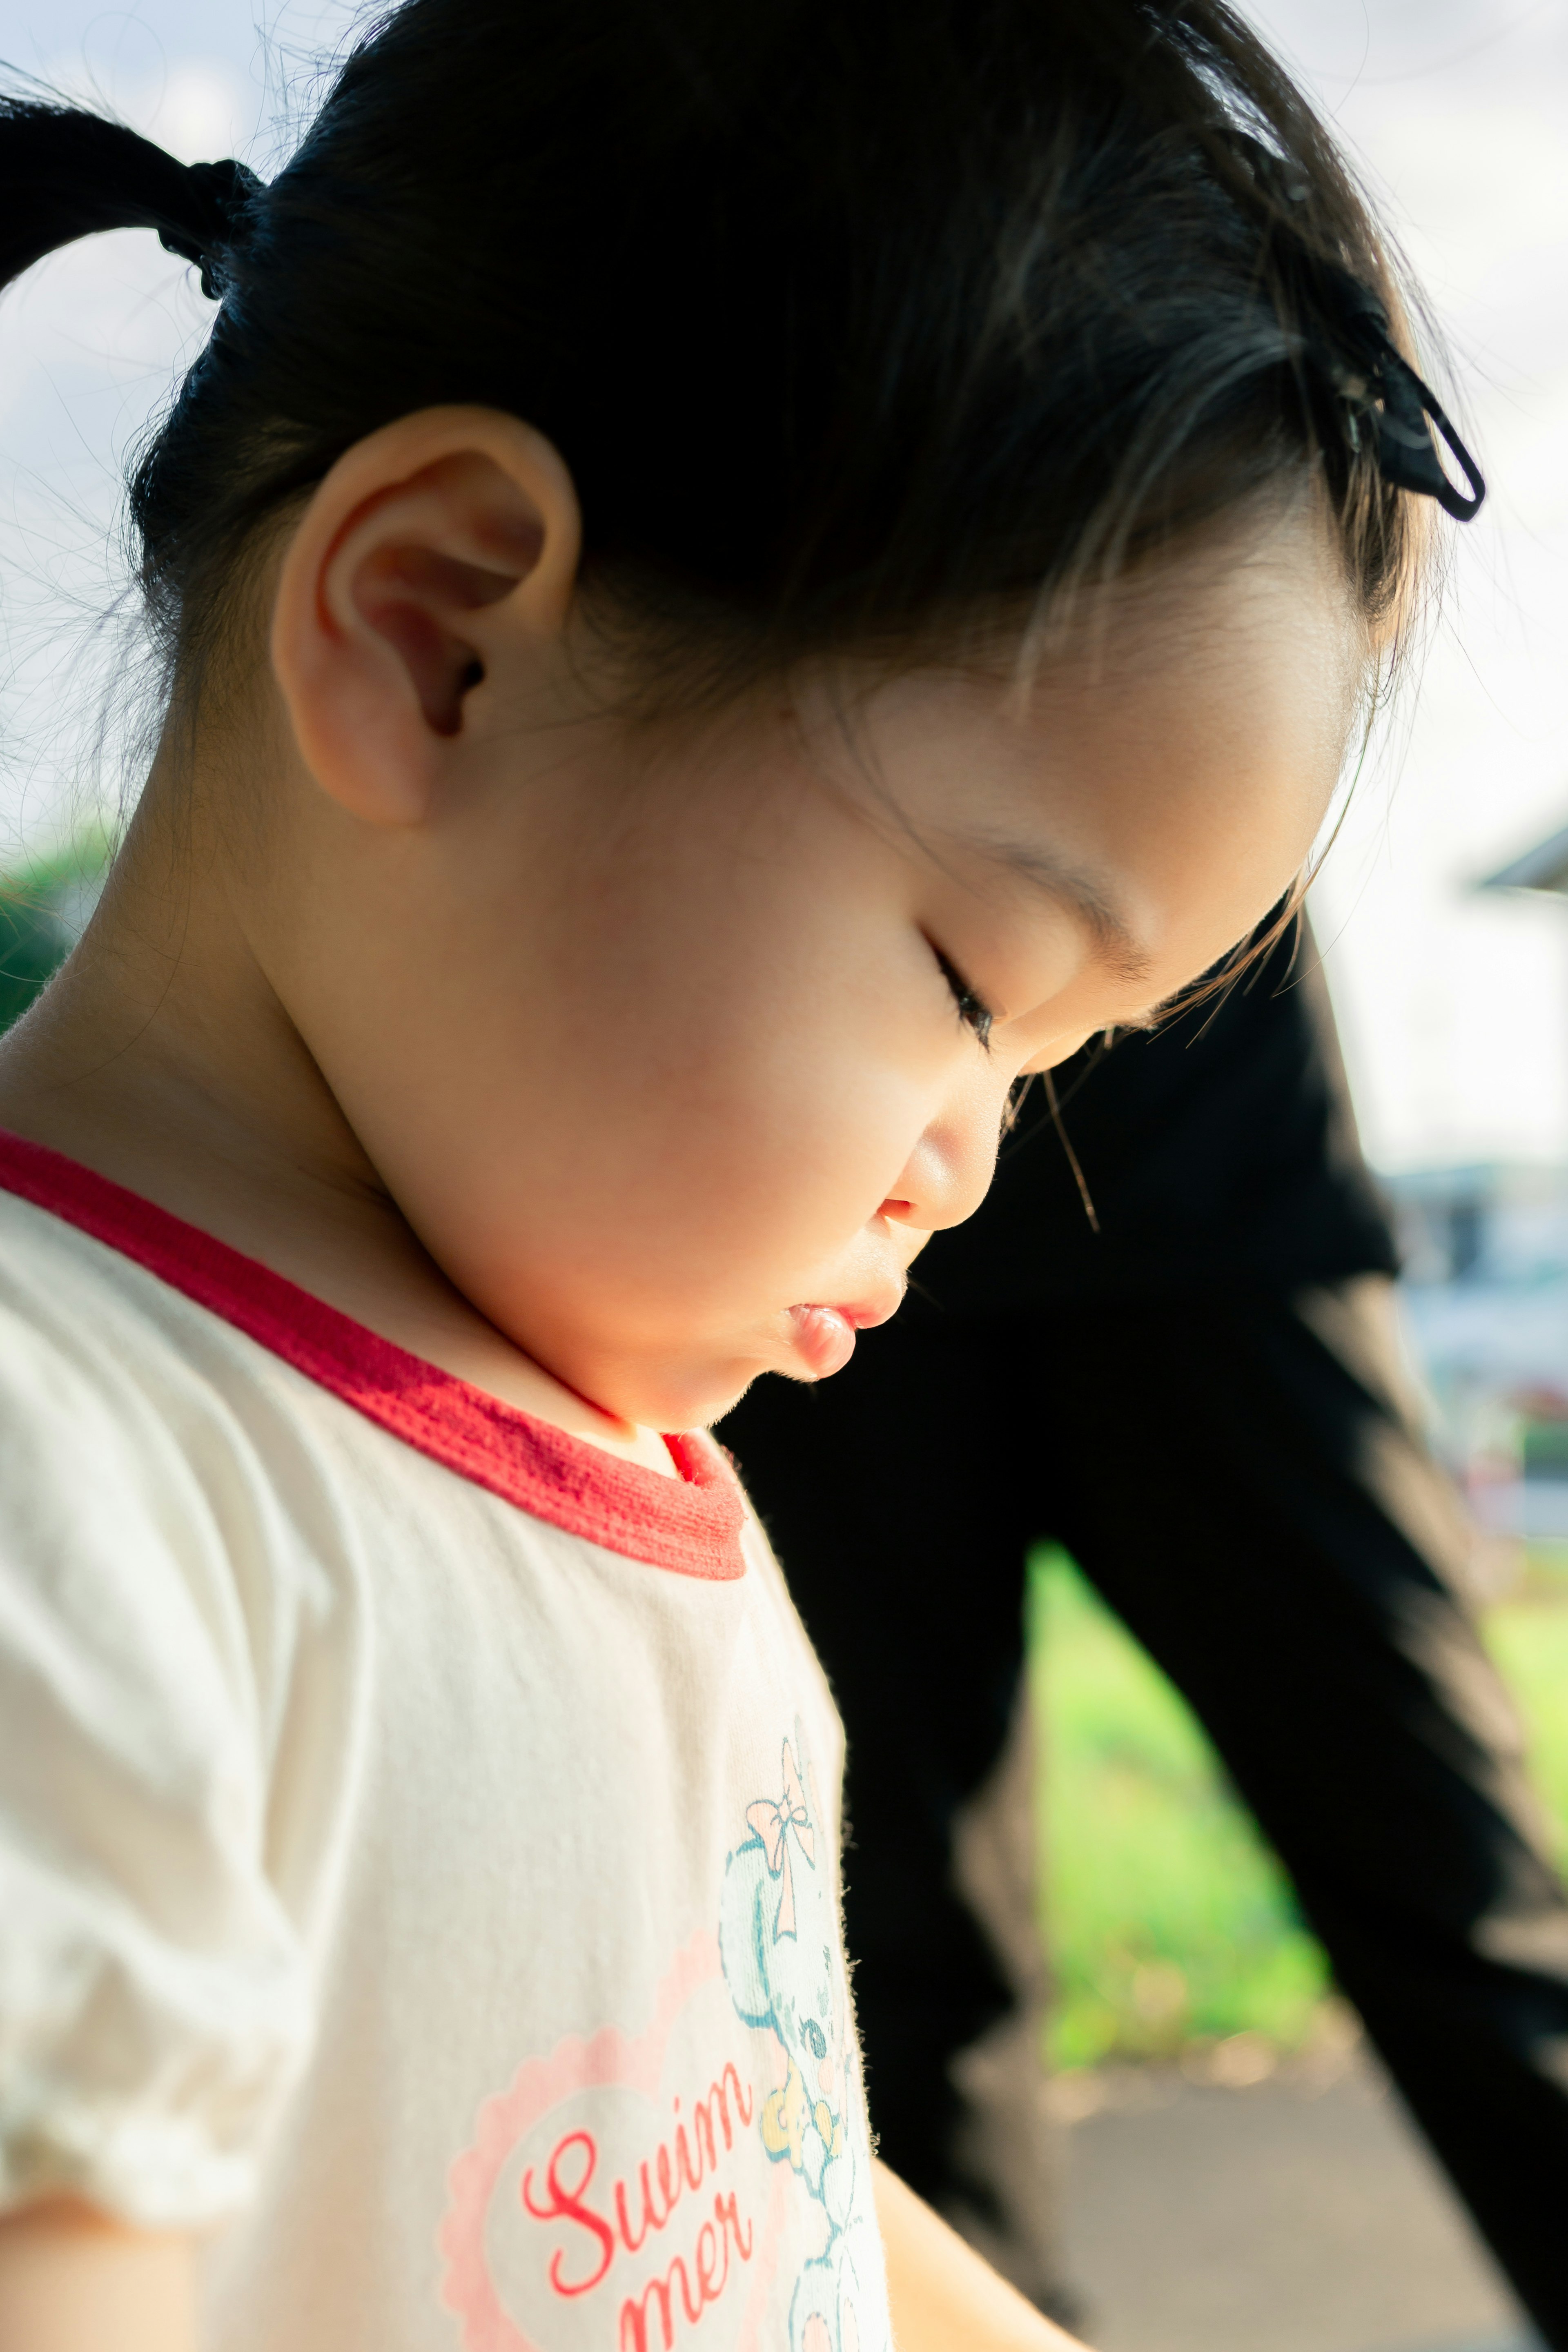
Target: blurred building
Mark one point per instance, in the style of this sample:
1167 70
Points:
1486 1290
1485 1297
1545 867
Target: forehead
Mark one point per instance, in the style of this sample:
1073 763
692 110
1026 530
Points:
1200 711
1254 589
1254 617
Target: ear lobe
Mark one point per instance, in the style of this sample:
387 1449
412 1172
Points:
438 553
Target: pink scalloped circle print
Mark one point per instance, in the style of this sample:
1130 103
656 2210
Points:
618 2197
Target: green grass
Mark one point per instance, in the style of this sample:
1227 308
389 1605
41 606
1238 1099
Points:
1528 1636
1167 1920
39 914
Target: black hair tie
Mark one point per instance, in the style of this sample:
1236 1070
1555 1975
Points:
221 193
1401 436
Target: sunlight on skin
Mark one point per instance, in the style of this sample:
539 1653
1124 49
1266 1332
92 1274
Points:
943 2296
610 1066
72 2282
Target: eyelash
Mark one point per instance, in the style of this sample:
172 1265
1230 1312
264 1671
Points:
973 1010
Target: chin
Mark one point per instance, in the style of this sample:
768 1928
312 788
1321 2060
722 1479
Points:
732 1401
704 1396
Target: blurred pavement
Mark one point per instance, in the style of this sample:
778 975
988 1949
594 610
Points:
1297 2214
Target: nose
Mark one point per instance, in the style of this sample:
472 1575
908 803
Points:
949 1173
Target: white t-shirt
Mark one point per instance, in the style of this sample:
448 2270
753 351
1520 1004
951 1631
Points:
418 1833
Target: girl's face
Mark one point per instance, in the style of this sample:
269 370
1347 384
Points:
675 1046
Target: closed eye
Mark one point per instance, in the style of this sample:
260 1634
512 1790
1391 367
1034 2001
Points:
973 1009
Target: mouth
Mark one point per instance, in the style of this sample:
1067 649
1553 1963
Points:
823 1337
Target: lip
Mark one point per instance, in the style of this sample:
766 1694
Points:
866 1316
822 1337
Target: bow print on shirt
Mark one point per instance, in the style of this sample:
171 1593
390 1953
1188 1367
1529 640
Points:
773 1824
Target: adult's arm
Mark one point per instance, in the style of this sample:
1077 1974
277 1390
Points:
1293 1560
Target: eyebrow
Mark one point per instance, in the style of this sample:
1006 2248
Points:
1070 886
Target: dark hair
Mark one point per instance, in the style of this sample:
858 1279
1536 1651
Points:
853 320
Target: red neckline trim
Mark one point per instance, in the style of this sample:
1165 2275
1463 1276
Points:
691 1525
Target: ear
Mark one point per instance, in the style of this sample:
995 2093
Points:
438 556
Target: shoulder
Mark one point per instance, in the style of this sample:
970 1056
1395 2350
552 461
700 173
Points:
137 1514
123 1363
69 1299
155 1989
112 1387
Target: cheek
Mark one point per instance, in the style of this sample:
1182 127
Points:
750 1109
767 1144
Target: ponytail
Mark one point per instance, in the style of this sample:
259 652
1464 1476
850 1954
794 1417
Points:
64 174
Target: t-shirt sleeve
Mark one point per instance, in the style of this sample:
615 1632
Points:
154 1995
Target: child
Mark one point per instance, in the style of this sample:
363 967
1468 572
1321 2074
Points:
733 581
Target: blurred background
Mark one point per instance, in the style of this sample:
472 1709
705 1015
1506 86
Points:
1236 2173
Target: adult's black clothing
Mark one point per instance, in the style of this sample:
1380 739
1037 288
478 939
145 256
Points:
1219 1148
1221 1443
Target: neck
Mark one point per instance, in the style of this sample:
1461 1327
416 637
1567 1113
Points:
162 1056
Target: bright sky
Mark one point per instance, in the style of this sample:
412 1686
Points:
1454 1007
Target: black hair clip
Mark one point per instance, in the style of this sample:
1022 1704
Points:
1387 391
1401 435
